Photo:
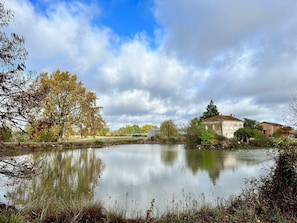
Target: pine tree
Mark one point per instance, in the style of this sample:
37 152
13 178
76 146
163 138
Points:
211 110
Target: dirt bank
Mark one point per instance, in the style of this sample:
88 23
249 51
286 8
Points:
13 149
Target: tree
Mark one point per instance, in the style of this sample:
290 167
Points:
168 130
211 110
244 134
65 108
197 135
208 137
128 130
146 128
193 133
104 131
292 116
13 82
252 124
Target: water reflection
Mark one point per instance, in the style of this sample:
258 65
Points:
168 155
210 160
136 174
65 175
131 176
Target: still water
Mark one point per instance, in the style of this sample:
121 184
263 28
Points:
130 177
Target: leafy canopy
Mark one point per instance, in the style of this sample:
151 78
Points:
252 124
197 135
168 129
244 134
134 129
65 108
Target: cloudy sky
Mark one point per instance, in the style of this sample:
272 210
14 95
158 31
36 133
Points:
154 60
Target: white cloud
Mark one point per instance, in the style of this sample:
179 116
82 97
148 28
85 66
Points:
240 54
202 30
62 38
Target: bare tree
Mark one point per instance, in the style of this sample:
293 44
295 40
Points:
292 116
14 97
18 169
12 65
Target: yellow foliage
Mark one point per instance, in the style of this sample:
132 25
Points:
66 107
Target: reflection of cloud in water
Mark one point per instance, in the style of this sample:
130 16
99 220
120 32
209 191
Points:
143 174
134 175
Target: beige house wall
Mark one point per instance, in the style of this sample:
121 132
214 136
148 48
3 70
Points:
215 125
224 128
229 127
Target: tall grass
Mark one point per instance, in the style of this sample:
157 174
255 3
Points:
53 209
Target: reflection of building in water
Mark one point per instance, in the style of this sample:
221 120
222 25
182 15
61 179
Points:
230 162
223 125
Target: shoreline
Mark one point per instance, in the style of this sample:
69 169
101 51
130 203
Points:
21 148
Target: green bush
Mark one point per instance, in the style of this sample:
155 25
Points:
261 140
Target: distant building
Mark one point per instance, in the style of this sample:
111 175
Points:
269 127
223 125
156 132
153 133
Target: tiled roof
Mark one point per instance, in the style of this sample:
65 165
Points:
271 123
222 118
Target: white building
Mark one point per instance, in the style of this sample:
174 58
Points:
223 125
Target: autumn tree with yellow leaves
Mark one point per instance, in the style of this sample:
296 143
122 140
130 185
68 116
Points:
65 108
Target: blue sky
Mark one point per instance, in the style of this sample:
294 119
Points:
153 60
125 17
128 17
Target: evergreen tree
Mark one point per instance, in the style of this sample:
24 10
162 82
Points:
211 110
252 124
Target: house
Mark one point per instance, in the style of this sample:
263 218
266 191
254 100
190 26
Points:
269 127
223 125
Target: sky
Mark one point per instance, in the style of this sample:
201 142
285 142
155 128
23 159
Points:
154 60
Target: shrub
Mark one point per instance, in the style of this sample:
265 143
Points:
272 197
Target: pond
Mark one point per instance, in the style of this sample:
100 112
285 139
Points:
133 177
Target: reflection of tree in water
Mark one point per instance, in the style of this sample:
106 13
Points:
168 156
65 175
209 160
